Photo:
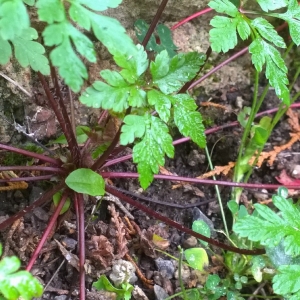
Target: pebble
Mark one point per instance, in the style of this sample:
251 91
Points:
160 293
35 194
190 242
165 267
296 171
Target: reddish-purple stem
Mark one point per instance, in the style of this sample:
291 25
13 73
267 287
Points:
202 181
41 157
180 227
42 200
47 231
36 178
103 115
193 16
32 168
154 22
66 129
81 241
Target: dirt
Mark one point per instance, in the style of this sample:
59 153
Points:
103 232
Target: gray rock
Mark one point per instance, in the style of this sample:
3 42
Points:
35 194
166 267
160 293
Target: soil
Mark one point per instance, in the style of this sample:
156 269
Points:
21 239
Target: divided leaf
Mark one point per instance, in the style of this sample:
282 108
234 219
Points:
267 5
224 6
161 102
276 70
292 17
188 121
30 53
14 283
51 11
13 19
270 228
134 127
150 151
267 31
171 74
223 36
287 281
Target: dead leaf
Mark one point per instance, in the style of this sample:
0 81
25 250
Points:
71 258
285 179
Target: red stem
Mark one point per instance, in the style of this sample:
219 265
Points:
36 178
180 227
193 16
201 181
42 200
46 233
81 240
66 129
154 22
32 168
41 157
208 131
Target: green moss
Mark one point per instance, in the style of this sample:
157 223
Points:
16 159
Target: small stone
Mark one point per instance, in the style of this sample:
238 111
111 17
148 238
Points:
61 297
239 102
296 171
166 267
35 194
261 195
160 293
41 214
69 243
185 273
190 242
138 294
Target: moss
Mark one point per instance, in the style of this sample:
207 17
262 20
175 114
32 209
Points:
16 159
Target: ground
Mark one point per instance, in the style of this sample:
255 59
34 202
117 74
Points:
104 228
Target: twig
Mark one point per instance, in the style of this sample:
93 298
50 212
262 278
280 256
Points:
144 198
16 84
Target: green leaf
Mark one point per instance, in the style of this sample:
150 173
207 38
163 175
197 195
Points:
258 263
267 5
233 206
161 102
276 70
134 66
134 127
288 280
188 121
14 283
70 67
270 228
13 19
81 136
224 6
106 96
86 181
267 31
201 227
56 199
5 51
104 284
292 16
113 35
29 2
150 151
100 5
30 53
51 11
223 36
197 258
182 68
164 35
